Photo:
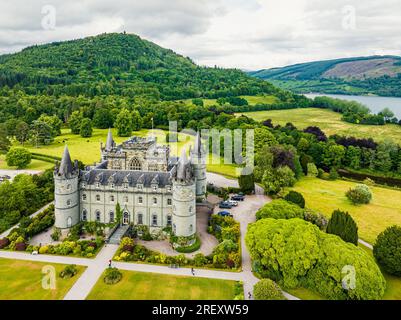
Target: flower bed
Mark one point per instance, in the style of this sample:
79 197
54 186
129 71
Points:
226 255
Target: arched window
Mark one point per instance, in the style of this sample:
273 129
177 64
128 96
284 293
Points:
126 218
140 218
84 215
69 222
98 216
135 164
154 220
111 217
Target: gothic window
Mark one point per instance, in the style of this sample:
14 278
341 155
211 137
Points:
69 222
140 218
98 216
169 221
154 220
111 217
140 200
135 164
169 202
111 198
84 215
97 197
154 200
84 197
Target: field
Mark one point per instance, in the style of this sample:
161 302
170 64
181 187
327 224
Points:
34 165
252 100
22 280
327 196
330 122
88 149
151 286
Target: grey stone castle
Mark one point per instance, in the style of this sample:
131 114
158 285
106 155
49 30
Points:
151 187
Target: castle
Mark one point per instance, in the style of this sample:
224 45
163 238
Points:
152 188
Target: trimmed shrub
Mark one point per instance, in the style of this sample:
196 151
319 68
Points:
20 246
192 248
361 194
4 243
296 253
295 197
69 271
267 289
312 170
387 250
342 225
316 218
280 209
112 276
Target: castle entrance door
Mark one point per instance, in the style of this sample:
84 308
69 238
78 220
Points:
126 218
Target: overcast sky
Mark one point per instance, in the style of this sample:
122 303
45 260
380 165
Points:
247 34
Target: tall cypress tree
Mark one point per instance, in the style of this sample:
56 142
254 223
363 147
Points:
342 225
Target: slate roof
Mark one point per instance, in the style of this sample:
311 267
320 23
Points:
118 177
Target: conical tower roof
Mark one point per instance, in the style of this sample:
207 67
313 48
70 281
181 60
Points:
198 147
182 165
65 168
109 141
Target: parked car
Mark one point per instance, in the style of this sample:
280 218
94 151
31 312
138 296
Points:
225 214
238 197
233 203
225 205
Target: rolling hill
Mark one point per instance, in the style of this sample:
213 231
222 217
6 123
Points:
379 75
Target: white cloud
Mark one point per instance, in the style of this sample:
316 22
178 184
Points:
250 34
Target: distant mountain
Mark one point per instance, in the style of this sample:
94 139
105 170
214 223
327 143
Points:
120 64
380 75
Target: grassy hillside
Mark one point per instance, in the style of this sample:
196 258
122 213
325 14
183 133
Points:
372 219
379 75
330 122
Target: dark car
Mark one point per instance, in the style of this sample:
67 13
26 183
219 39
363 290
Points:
225 214
225 205
238 197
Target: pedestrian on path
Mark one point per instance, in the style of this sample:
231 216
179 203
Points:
109 263
193 271
249 295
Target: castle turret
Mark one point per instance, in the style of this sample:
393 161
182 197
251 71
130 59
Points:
66 194
198 159
184 198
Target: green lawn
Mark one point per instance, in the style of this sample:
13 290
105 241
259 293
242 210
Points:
252 100
330 122
22 280
305 294
327 196
34 165
88 149
151 286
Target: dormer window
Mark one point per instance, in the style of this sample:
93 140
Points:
125 185
112 185
83 185
168 188
97 185
154 187
139 186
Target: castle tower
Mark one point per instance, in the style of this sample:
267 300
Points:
198 159
66 193
110 144
184 198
